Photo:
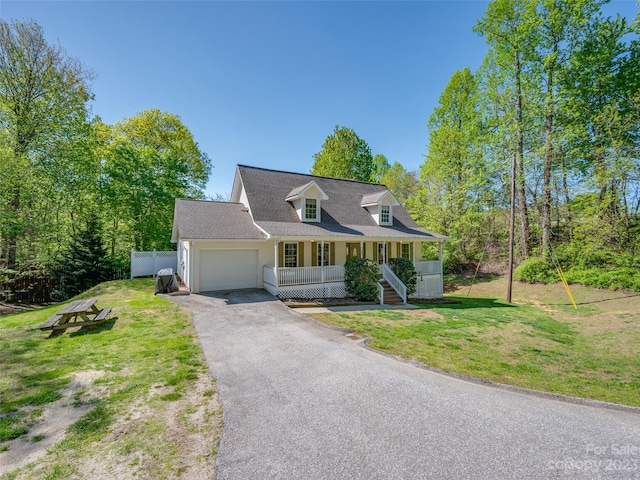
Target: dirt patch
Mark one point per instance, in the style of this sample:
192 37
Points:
186 428
8 308
53 423
191 424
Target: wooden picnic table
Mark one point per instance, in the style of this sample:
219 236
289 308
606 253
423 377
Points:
77 313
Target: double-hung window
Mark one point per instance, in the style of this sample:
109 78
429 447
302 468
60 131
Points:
323 254
382 253
310 209
291 255
404 251
385 214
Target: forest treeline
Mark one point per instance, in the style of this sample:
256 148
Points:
558 94
76 194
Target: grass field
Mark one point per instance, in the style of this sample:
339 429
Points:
134 392
539 342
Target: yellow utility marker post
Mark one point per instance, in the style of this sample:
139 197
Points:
566 287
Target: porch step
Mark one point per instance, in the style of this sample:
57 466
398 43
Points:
389 295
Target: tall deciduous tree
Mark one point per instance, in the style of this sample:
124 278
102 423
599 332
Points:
380 167
509 26
402 184
43 97
150 159
344 155
602 107
560 26
458 181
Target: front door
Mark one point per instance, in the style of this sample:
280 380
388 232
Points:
353 250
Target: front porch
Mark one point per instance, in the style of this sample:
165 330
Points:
328 281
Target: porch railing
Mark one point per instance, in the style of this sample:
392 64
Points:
309 275
427 267
395 282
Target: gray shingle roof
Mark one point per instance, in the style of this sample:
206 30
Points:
341 215
372 198
201 219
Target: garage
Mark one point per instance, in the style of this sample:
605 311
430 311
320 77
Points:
228 269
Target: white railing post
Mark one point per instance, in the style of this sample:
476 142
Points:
131 264
155 262
395 282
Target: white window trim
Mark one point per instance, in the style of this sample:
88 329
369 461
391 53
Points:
389 220
304 210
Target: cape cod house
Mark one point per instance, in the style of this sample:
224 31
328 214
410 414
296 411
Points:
291 234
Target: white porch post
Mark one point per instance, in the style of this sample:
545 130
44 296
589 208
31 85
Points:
441 270
321 260
361 249
275 267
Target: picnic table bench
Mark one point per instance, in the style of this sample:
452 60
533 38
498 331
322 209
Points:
76 314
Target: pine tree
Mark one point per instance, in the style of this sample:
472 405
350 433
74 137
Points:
82 265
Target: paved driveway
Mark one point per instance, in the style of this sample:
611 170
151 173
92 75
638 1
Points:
303 401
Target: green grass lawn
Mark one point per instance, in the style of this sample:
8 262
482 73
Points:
540 342
146 362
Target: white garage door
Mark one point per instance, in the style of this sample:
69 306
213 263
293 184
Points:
228 269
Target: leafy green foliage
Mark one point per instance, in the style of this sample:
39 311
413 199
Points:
151 159
558 92
59 168
401 183
535 269
361 278
380 168
43 111
406 272
344 155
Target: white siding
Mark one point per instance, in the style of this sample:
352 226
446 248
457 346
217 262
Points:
183 263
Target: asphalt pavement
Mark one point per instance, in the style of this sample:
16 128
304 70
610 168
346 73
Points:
304 401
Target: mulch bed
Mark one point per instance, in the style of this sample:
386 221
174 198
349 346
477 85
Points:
323 302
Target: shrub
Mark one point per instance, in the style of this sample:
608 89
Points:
534 270
361 278
406 272
616 279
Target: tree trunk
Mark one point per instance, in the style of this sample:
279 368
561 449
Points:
548 163
567 199
520 176
12 235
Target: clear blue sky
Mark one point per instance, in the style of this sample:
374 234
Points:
264 83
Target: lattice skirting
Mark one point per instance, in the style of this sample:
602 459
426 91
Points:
327 290
428 286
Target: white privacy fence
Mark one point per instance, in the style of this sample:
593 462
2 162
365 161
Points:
148 263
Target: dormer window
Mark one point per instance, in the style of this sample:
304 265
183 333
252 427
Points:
380 206
311 209
306 200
